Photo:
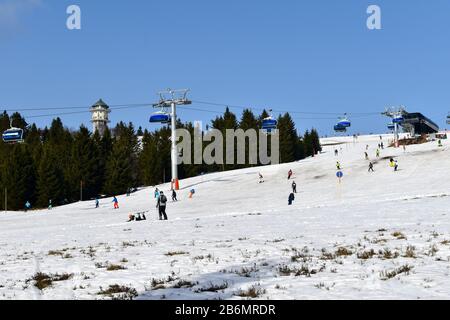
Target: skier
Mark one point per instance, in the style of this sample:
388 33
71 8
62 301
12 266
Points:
156 193
50 207
396 165
27 206
261 178
161 205
116 203
174 195
371 167
336 152
338 165
291 199
378 153
392 163
382 146
133 217
366 155
294 187
139 218
97 203
290 173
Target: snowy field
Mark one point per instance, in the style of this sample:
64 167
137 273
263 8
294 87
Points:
382 235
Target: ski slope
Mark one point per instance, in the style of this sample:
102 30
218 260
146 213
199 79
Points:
382 235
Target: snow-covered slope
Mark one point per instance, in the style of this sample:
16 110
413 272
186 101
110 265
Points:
375 235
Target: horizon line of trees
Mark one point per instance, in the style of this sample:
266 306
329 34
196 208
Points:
53 162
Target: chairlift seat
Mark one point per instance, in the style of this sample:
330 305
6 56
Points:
160 118
13 135
340 128
398 120
345 123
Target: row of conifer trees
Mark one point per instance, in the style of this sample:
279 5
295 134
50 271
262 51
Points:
55 163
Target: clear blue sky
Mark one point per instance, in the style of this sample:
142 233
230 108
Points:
307 56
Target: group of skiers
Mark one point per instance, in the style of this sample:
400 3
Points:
161 205
294 188
392 163
27 205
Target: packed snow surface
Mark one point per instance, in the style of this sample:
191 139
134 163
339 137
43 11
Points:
381 235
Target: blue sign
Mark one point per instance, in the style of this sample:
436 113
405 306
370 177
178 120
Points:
339 174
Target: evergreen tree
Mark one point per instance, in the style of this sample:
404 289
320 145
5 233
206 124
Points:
222 123
50 184
248 122
4 121
122 166
309 147
20 178
85 166
288 139
315 140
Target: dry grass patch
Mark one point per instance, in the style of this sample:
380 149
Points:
343 252
118 292
184 284
410 252
387 254
365 255
42 280
399 235
115 267
214 287
253 292
176 253
386 275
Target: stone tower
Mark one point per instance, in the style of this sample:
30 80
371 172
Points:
100 117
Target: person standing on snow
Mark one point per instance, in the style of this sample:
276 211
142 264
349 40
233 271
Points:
97 203
290 173
291 199
261 178
338 165
336 152
378 153
371 167
50 206
27 206
174 195
156 193
294 187
395 165
392 163
366 155
161 205
116 203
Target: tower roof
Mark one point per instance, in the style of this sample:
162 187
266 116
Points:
100 103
